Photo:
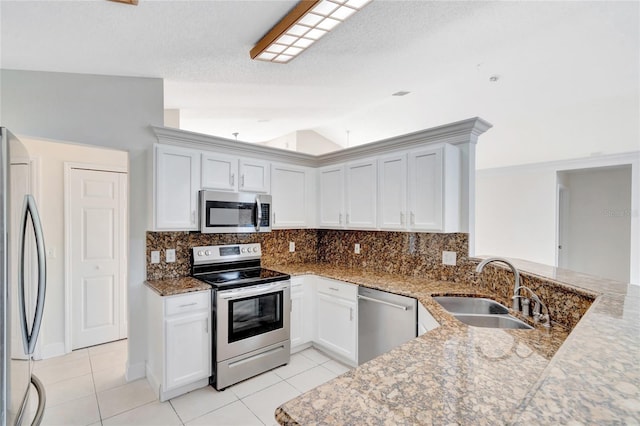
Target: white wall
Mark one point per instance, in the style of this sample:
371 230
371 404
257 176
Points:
306 141
516 210
599 233
113 112
51 157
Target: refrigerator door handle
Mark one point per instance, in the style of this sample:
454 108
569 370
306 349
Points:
29 208
42 400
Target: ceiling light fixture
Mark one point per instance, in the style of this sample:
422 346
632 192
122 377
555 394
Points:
307 23
400 93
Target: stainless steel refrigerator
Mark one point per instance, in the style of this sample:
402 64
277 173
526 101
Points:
23 285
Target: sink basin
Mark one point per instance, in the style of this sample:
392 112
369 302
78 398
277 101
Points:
480 312
471 305
492 321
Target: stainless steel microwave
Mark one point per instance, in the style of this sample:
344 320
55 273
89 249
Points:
230 212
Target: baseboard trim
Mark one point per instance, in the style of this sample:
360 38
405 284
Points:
135 371
52 350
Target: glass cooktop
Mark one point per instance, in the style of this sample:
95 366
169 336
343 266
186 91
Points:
241 277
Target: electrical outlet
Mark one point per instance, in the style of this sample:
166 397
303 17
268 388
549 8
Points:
356 248
449 258
170 255
292 246
155 256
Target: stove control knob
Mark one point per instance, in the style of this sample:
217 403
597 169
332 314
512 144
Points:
255 249
208 252
244 250
200 253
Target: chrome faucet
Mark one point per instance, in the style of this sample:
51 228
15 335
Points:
516 275
538 316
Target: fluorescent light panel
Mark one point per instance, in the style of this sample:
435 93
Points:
308 22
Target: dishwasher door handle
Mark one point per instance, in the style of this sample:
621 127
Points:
393 305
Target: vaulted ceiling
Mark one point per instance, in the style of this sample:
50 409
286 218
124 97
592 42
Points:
567 72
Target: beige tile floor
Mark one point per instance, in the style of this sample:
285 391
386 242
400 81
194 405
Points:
87 387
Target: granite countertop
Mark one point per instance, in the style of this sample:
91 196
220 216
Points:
467 375
175 286
457 374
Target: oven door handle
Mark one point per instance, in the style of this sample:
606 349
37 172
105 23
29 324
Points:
252 291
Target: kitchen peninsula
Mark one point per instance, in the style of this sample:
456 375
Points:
467 375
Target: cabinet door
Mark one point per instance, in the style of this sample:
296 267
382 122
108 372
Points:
188 348
219 172
425 190
361 194
177 177
337 325
331 199
434 189
290 196
297 316
392 192
254 176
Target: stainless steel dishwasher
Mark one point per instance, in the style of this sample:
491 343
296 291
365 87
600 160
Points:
385 320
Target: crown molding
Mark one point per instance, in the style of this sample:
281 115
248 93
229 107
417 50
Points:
459 132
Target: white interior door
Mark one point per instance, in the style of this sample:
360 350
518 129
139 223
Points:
97 235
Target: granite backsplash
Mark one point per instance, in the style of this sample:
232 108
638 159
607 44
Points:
400 253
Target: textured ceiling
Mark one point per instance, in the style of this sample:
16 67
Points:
568 86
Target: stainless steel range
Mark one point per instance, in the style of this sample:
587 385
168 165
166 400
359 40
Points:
251 311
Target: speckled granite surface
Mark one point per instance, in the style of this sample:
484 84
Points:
465 375
173 286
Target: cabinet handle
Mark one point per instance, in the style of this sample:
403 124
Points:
206 327
333 288
412 218
193 216
242 181
350 314
274 218
339 218
188 304
233 179
401 218
347 221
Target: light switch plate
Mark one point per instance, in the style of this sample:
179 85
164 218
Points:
356 248
292 246
449 258
170 255
155 256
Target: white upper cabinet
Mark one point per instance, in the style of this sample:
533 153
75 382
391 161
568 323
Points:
392 192
360 201
434 189
177 181
219 172
331 197
229 173
255 176
293 195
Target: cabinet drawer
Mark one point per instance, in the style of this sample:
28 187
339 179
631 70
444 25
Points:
187 303
338 288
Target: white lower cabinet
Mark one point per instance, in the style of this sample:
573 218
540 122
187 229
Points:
302 312
179 357
337 318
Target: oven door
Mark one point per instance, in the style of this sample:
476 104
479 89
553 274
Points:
251 318
223 212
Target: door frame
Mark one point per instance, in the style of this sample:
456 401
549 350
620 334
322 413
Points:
124 311
562 203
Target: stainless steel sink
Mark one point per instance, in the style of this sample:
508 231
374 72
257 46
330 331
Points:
471 305
480 312
492 321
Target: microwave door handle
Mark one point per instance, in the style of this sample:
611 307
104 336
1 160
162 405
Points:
259 213
30 337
